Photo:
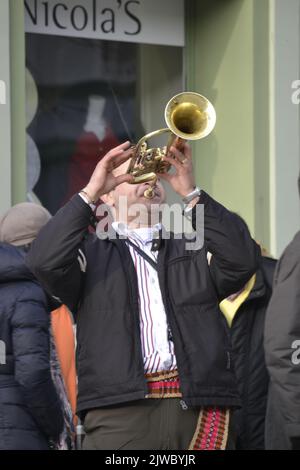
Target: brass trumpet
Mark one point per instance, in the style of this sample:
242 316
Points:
189 116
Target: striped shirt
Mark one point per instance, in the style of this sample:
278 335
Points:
157 347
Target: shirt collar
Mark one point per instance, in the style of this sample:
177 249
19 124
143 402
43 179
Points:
144 235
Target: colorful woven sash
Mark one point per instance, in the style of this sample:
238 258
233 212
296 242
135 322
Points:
211 430
212 426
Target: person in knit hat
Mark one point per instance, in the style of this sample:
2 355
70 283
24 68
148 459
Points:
31 416
20 225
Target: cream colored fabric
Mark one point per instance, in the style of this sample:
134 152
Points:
230 306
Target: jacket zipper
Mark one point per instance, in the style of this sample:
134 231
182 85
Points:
183 405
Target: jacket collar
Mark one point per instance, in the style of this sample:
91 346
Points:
259 288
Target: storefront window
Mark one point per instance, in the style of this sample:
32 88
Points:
85 96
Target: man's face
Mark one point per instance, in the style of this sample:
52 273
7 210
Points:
134 193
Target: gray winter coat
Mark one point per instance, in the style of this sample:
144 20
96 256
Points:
282 349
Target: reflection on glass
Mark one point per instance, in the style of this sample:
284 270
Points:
85 87
92 95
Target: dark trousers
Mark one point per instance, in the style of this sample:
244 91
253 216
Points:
150 424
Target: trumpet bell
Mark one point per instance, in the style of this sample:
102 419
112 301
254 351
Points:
190 116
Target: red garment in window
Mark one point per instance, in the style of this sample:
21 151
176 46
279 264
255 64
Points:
88 152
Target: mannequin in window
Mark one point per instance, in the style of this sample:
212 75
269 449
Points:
95 141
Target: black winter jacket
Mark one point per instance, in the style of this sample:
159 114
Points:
109 359
282 349
247 336
30 412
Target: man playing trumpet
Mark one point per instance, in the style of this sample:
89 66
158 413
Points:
153 355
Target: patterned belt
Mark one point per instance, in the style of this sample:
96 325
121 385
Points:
213 423
163 385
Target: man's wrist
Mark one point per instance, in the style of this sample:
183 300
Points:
185 193
190 200
193 194
90 194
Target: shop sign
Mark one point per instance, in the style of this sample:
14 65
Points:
141 21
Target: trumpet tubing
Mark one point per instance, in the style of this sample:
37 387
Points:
189 116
